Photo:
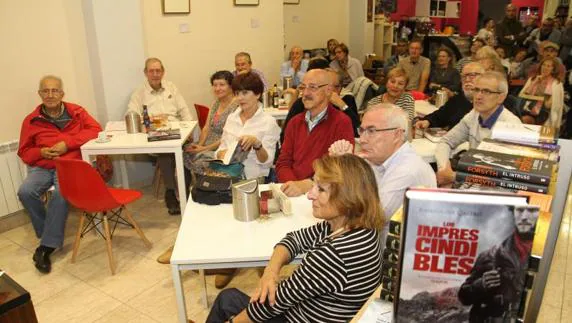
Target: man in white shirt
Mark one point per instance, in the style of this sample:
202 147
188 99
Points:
295 67
162 98
489 93
383 141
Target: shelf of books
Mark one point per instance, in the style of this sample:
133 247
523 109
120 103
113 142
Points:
482 251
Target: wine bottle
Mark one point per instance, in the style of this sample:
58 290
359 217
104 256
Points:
275 96
146 119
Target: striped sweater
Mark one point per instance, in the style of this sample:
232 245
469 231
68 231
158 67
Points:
334 280
405 101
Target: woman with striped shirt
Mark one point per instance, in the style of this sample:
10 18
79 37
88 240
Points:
341 268
397 80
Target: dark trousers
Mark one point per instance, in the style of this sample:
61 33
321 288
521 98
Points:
231 302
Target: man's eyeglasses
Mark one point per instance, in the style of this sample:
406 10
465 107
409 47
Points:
311 87
370 131
485 92
52 91
470 75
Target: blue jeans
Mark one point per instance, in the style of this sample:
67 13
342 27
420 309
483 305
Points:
231 302
49 222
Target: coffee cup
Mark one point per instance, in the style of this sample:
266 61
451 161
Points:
102 136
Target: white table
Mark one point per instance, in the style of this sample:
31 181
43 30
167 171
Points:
278 114
209 237
425 148
126 144
423 108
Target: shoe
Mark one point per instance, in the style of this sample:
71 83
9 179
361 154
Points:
222 280
175 210
42 260
165 257
172 203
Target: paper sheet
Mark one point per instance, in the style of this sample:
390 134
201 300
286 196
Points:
378 311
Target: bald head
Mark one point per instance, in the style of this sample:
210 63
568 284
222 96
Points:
296 53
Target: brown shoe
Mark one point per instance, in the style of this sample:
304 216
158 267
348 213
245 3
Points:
165 257
221 280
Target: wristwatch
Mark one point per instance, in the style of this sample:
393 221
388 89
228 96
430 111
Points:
257 147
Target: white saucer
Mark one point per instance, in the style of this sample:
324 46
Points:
99 141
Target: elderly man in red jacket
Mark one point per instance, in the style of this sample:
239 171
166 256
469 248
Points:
55 129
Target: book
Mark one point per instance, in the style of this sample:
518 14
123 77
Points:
164 134
518 168
459 261
233 154
388 270
392 242
465 186
510 148
499 182
525 133
434 134
395 222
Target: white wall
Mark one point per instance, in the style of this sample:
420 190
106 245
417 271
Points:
218 30
311 23
361 32
38 38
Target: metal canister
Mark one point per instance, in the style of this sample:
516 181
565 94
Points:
286 82
133 122
440 98
245 200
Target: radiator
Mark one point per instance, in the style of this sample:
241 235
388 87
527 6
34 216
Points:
12 172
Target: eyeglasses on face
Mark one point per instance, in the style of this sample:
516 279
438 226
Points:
485 92
370 131
470 75
50 91
310 87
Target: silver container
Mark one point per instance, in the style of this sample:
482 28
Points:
265 99
133 122
286 82
440 98
245 200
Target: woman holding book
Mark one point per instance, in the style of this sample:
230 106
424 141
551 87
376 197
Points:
343 250
397 80
544 95
196 154
249 128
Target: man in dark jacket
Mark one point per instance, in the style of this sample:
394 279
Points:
496 281
55 129
455 109
509 31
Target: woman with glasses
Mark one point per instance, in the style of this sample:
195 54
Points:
196 154
544 96
348 67
397 80
443 75
343 250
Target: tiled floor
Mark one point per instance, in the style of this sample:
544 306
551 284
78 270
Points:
142 289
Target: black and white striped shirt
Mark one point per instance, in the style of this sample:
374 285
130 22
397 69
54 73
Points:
405 101
334 280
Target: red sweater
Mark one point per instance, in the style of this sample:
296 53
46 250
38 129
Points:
301 147
37 132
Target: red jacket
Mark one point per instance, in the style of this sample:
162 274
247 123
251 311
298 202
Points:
301 147
37 132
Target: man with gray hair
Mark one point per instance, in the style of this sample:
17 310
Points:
489 93
295 67
243 65
383 141
55 129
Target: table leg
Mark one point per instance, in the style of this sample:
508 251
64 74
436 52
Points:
204 285
123 168
180 294
181 180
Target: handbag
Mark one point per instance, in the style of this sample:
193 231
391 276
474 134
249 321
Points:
214 187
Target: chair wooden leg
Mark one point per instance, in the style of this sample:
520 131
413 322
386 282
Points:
157 181
77 237
137 228
108 243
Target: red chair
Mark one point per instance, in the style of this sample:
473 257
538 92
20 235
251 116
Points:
202 113
83 187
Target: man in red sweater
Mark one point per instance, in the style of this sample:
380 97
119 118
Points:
310 134
55 129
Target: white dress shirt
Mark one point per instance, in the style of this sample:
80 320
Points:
401 170
167 100
264 127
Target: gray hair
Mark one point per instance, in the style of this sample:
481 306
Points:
153 60
339 76
499 77
51 77
393 116
477 65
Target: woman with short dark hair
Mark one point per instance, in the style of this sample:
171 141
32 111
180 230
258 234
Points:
344 251
443 75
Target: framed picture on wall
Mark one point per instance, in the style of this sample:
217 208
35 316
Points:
291 1
246 2
176 6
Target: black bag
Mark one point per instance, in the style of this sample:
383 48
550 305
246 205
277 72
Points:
213 190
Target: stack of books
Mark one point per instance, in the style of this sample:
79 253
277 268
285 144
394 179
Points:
512 172
389 268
